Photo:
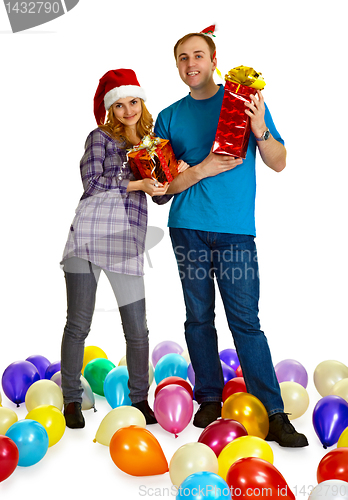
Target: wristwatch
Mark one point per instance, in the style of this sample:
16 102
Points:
264 136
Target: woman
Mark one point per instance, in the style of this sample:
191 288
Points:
108 233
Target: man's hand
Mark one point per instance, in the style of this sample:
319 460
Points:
215 164
256 110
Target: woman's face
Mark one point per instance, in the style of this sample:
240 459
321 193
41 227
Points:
128 110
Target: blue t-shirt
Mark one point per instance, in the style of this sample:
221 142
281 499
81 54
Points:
224 203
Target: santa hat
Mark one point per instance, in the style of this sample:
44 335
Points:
210 30
114 85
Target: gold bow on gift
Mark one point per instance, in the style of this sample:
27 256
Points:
246 76
149 143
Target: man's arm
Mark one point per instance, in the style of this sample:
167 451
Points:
272 152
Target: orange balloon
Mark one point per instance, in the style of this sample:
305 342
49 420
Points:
248 411
137 452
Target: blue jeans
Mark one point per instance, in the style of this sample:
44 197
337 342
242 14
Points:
81 285
232 260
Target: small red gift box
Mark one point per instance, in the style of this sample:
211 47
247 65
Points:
153 158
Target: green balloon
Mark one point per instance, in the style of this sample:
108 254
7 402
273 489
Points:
95 373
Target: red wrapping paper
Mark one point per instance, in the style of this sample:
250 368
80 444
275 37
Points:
233 131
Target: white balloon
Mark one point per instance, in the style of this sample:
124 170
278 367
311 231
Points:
329 490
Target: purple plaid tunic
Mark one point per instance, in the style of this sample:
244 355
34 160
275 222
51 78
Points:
109 227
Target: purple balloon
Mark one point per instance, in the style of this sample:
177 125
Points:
219 433
227 372
165 347
230 357
173 408
191 374
41 364
17 378
290 370
330 418
52 369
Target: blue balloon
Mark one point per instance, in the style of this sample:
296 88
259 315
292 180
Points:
230 357
171 365
17 378
52 369
116 388
31 439
227 372
204 486
41 363
330 418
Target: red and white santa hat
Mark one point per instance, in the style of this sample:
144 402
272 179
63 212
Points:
114 85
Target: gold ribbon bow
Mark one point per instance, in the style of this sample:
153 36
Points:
246 76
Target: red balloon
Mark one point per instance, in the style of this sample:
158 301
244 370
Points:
174 380
254 478
9 456
232 386
221 432
239 372
334 465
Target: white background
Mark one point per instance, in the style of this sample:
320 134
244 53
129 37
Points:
48 79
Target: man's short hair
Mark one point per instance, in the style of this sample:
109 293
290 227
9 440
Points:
207 38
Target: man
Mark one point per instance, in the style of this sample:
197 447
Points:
212 229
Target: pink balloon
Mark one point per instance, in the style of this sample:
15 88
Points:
221 432
173 408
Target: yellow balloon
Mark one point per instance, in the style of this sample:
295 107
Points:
44 392
191 458
243 447
343 439
7 418
341 389
0 399
122 416
327 374
123 362
92 352
295 399
52 420
248 411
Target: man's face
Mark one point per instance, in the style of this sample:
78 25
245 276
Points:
194 62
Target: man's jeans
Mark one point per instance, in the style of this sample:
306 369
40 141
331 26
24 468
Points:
81 284
232 259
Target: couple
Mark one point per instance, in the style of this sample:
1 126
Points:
212 214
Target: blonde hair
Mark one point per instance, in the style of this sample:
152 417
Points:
208 39
118 130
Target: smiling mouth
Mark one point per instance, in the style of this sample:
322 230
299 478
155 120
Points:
193 73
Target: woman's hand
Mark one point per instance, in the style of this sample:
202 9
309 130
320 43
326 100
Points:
182 166
153 187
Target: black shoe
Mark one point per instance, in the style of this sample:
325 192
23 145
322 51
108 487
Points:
284 433
207 413
73 416
145 409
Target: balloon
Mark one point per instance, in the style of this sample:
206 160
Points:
51 419
0 399
116 387
52 369
341 389
31 440
330 418
327 373
169 365
227 372
230 357
329 490
239 372
137 452
249 411
334 465
173 408
122 416
40 362
7 418
191 374
242 447
234 385
191 458
342 441
163 348
8 457
123 362
95 373
92 352
174 380
17 378
203 485
295 399
44 392
254 478
186 356
88 400
290 370
219 433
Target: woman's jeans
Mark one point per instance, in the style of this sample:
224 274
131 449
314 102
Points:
232 259
81 284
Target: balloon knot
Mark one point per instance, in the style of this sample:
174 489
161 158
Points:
94 440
